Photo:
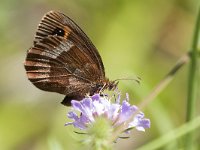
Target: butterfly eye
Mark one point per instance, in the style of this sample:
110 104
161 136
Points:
59 32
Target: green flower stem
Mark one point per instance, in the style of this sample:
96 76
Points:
192 81
165 81
172 135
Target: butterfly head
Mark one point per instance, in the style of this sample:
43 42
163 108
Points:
103 85
110 85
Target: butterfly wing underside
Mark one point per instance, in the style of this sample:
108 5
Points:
63 59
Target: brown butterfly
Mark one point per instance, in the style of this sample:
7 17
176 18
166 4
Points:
64 60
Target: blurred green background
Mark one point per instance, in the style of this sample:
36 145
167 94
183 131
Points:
141 38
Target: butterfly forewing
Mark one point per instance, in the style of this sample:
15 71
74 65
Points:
56 23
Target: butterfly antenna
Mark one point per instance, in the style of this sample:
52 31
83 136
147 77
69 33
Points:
137 79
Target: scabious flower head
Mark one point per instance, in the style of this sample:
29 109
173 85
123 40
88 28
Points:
120 116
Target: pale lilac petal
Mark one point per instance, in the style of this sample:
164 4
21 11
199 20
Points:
79 124
84 119
77 105
98 108
126 112
145 123
142 124
84 106
88 107
72 115
113 111
139 123
87 103
139 128
95 97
